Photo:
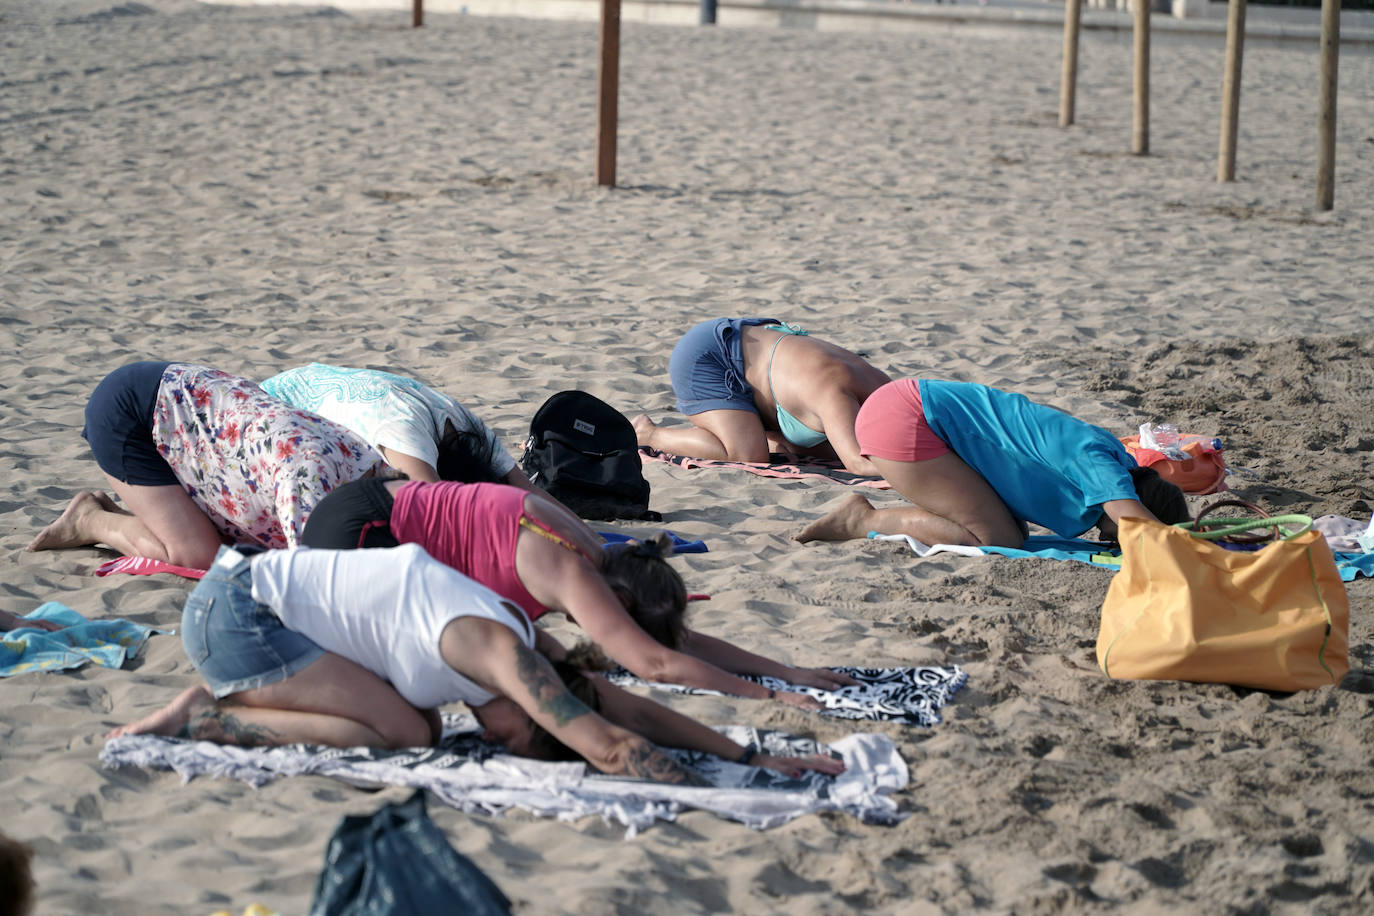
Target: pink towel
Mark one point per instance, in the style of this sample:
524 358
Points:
832 471
145 566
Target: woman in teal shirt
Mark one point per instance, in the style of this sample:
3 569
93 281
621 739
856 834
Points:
977 464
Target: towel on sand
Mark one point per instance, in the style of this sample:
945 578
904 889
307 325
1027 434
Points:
1108 556
102 642
473 776
816 468
912 696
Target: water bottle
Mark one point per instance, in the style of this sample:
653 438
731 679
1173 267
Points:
1165 436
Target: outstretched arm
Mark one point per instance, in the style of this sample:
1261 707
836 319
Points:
838 409
490 654
589 601
409 465
665 727
732 658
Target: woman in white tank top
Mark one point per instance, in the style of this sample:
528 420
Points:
360 648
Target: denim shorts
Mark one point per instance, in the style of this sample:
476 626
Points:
119 425
707 367
236 643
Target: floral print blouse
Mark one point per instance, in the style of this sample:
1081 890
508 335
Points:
255 465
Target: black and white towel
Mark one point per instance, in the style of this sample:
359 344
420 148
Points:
471 775
912 696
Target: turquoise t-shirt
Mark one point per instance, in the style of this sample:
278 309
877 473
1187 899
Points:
1049 468
388 411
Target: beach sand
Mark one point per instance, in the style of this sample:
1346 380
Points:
254 188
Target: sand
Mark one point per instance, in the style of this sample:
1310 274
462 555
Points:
254 188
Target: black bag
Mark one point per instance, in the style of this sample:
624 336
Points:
584 453
397 862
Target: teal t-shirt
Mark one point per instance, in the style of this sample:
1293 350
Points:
1049 468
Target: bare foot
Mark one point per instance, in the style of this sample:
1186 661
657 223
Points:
172 718
108 504
644 429
71 526
851 519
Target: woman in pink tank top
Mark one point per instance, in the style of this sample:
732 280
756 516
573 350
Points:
533 551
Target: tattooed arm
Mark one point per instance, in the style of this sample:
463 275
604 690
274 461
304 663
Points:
491 655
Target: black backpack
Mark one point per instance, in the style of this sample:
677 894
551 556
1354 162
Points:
584 453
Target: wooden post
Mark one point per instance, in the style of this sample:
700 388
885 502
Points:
607 92
1230 90
1140 134
1068 80
417 13
1326 105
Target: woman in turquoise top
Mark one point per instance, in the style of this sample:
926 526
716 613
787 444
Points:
751 386
978 464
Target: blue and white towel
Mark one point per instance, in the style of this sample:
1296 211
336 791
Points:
473 776
107 643
912 696
1096 553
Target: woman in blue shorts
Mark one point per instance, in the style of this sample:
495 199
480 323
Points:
752 386
199 457
361 647
977 464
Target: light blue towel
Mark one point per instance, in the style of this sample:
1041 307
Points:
1050 547
104 642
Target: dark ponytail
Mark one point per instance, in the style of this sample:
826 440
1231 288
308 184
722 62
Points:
651 590
1162 498
465 456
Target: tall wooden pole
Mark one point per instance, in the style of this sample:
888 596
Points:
1326 105
1140 134
607 92
417 13
1068 80
1230 90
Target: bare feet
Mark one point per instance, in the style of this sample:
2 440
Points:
108 504
644 429
72 526
851 519
172 718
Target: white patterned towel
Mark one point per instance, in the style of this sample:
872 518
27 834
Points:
473 776
909 695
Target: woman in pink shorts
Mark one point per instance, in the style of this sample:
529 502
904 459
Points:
979 464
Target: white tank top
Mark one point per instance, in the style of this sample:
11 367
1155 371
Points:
384 610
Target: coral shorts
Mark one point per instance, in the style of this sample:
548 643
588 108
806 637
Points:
892 424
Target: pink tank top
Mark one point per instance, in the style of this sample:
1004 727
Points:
471 527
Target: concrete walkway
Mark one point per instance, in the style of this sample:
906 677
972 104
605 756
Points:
1265 25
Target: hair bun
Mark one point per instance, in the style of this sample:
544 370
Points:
659 547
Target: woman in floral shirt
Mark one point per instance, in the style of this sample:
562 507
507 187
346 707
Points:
199 458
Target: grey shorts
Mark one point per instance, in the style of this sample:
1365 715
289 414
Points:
707 367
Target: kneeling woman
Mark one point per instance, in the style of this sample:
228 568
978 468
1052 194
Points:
534 552
978 463
361 647
422 433
199 457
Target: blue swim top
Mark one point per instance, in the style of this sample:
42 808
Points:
792 429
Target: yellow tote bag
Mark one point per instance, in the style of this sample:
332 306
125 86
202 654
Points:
1183 608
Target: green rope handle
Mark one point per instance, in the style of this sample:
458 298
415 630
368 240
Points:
1230 526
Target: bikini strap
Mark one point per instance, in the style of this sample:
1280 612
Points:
543 531
787 331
